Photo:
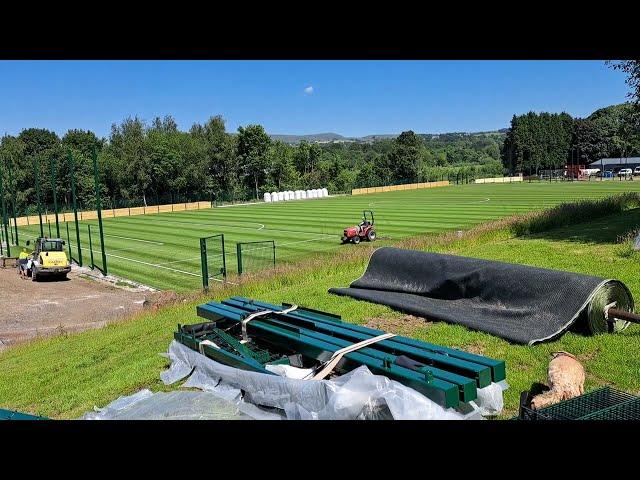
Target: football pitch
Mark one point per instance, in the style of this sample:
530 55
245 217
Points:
162 250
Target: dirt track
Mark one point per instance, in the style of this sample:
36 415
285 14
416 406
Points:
34 309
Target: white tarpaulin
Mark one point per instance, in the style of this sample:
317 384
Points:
228 393
358 394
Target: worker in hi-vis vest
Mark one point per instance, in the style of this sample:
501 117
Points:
23 259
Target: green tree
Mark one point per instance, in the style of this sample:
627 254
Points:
282 171
632 69
406 156
252 148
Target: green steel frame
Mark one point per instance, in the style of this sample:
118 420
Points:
447 376
443 366
498 369
303 341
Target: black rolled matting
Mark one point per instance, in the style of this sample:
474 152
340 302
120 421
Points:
519 303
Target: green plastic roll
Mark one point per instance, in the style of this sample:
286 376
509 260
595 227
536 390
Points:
611 292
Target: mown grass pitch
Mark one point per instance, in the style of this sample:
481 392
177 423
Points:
162 250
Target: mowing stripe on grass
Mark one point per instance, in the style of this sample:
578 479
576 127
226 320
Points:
134 239
303 228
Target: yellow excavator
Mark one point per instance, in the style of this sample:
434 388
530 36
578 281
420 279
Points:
48 259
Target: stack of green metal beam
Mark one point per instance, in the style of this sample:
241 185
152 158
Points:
445 375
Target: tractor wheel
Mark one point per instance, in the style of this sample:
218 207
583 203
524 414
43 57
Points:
371 236
356 240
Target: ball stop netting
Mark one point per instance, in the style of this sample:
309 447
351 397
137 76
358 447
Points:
519 303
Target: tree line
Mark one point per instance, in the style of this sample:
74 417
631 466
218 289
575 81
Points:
545 141
148 164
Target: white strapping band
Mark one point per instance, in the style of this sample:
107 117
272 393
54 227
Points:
338 354
206 342
243 323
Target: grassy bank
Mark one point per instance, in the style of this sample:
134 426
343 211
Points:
65 376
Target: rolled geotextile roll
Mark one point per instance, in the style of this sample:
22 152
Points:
612 292
520 303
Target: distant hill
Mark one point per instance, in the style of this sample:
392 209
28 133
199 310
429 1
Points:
315 137
337 138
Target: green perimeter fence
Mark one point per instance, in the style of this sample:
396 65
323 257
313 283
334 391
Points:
213 259
255 256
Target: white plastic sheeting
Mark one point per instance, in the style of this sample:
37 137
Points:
325 192
357 395
267 197
309 194
274 197
281 196
178 405
303 194
298 195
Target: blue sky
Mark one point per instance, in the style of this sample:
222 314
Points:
353 98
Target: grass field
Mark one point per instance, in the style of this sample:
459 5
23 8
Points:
67 375
162 250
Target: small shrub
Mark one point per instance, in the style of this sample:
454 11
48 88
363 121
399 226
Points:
627 244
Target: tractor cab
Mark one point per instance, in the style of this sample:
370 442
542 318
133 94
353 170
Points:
367 220
48 258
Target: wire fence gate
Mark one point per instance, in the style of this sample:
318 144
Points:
255 256
213 259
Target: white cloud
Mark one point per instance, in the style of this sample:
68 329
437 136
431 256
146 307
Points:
308 90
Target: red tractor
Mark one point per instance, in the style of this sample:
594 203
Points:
363 231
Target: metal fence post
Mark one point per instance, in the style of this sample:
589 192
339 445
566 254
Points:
13 201
3 223
36 170
203 262
98 208
224 260
239 255
75 206
91 247
68 240
53 191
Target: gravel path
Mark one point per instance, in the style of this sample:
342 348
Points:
34 309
